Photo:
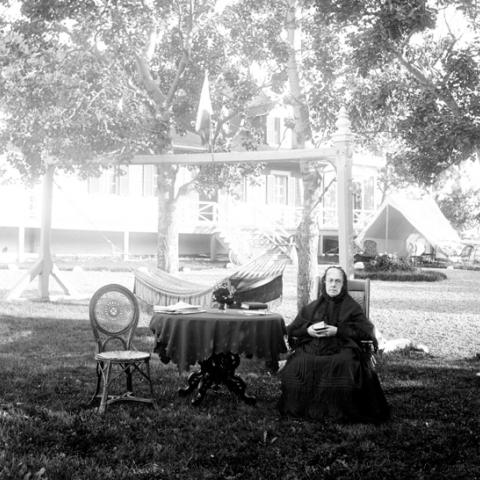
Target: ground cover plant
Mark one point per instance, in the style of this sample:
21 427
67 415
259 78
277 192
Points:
386 267
402 276
48 375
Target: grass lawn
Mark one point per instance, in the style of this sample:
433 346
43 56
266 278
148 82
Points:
48 375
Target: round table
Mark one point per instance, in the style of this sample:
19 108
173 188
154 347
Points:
216 339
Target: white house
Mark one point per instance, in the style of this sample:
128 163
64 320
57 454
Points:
116 213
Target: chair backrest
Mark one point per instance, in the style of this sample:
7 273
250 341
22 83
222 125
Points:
359 290
370 248
114 314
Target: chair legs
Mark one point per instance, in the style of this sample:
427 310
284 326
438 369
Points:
105 378
95 396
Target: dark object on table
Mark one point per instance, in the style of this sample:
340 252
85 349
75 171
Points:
253 305
224 294
114 314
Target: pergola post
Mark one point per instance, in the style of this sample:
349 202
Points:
44 266
343 141
45 234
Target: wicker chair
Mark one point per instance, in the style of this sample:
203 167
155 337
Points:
114 313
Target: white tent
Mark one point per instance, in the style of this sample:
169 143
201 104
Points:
406 227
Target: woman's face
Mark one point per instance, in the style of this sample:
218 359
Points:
333 282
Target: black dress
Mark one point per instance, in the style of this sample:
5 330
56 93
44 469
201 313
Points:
330 377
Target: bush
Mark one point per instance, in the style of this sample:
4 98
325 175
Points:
402 276
386 263
385 267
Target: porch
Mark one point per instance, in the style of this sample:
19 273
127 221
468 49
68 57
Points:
86 224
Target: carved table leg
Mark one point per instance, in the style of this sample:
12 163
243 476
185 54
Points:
216 370
205 383
236 385
193 380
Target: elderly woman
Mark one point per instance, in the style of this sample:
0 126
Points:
328 376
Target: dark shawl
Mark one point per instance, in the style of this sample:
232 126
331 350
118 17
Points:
345 313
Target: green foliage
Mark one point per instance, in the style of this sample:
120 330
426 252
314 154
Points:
387 263
386 267
410 83
401 275
83 81
462 208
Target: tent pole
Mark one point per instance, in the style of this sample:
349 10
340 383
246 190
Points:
386 228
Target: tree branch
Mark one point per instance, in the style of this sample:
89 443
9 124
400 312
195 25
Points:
414 71
186 188
426 82
152 88
186 52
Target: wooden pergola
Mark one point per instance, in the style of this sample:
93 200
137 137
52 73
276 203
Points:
339 156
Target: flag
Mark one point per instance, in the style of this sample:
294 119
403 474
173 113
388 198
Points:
204 113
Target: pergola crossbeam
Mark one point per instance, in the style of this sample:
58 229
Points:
340 157
322 155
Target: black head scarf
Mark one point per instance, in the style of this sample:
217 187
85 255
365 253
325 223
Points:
329 309
337 298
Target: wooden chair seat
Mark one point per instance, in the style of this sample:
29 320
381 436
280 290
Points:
122 356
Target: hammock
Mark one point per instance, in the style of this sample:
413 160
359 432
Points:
259 280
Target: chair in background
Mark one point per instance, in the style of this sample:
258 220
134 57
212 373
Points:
114 313
359 290
370 248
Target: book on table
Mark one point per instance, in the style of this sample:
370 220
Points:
253 306
179 307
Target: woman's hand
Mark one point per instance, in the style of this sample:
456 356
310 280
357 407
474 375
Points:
322 329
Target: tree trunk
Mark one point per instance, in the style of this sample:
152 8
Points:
167 238
302 130
307 231
307 235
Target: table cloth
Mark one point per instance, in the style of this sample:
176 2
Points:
186 339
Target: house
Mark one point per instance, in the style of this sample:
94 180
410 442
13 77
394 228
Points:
116 213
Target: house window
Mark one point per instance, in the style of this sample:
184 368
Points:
476 255
298 192
277 190
93 185
118 181
357 195
259 123
113 182
148 180
364 194
276 131
244 190
369 193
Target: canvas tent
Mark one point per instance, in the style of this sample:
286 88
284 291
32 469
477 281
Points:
407 227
